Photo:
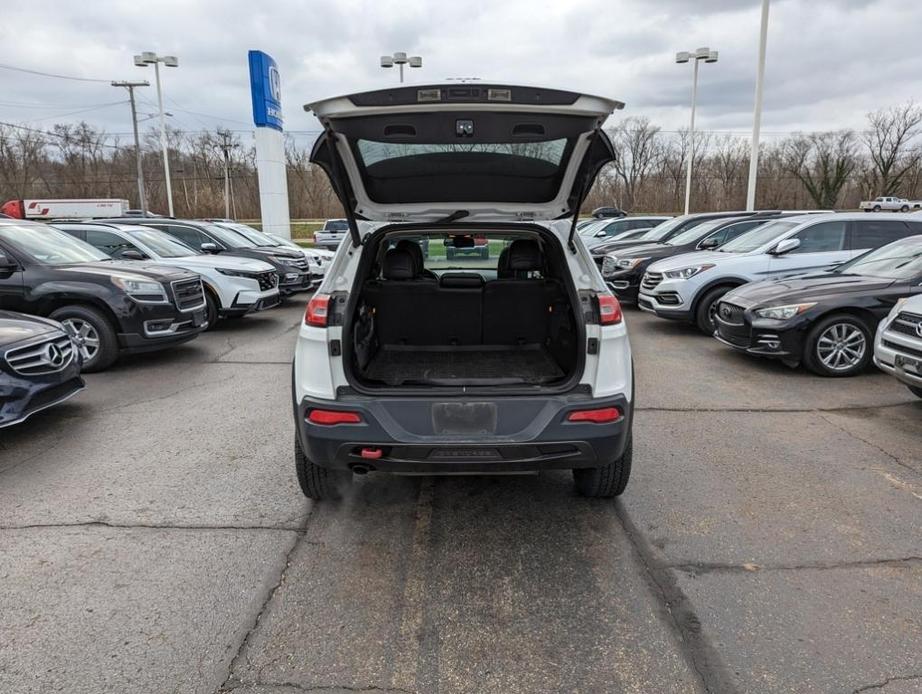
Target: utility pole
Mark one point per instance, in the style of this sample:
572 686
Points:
226 145
142 198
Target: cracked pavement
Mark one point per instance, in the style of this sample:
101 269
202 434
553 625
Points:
153 539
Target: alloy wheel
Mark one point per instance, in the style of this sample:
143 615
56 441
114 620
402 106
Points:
87 337
841 347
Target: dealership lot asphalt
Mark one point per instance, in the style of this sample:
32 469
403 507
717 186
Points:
153 539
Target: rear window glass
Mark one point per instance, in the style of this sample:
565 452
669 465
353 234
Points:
373 152
482 254
336 225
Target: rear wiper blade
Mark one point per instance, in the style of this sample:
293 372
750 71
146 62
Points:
453 217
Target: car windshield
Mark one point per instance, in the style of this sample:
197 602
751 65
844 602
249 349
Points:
895 261
283 242
336 225
162 243
229 238
49 246
663 230
591 228
696 232
254 235
757 238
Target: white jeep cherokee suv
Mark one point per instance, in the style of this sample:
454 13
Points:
515 362
689 286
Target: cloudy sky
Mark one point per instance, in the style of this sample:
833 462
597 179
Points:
829 61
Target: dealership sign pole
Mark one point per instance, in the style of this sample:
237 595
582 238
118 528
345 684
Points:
266 91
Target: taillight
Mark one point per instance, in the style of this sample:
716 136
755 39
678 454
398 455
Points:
609 309
604 415
330 417
317 310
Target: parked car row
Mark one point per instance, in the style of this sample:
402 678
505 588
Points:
75 295
807 289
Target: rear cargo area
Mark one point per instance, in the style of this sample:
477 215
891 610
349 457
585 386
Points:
508 322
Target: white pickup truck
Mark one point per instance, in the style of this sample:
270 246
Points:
888 203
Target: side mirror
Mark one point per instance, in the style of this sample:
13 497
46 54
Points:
7 265
708 244
209 247
785 246
600 234
132 254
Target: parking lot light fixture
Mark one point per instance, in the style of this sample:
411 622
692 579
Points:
143 60
400 59
708 56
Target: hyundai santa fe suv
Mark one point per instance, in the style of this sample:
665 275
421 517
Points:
690 286
513 362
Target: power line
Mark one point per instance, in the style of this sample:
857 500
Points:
4 66
84 110
46 133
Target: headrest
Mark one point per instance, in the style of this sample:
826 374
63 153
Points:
461 280
399 265
415 252
525 255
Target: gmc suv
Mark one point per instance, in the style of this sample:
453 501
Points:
109 307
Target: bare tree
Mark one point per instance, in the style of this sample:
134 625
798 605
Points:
637 151
823 163
889 142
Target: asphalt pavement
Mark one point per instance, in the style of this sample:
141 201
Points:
153 539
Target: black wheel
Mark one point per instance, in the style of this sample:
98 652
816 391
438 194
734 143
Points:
877 208
915 390
838 346
211 309
706 312
904 208
96 337
607 481
319 482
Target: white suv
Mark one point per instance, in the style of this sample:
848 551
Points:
234 286
898 344
514 362
689 287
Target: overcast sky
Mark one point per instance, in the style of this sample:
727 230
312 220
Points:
829 61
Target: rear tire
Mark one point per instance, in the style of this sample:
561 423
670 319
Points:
100 343
915 390
820 348
904 208
319 483
607 481
707 309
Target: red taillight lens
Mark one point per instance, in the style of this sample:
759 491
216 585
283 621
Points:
317 309
329 417
605 415
609 309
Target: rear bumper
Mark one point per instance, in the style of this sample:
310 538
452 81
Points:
526 435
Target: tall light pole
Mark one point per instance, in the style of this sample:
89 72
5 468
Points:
757 112
130 86
401 59
143 60
708 56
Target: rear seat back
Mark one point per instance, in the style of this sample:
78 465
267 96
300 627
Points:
515 311
460 309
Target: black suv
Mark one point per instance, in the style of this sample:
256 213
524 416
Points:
109 307
291 265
